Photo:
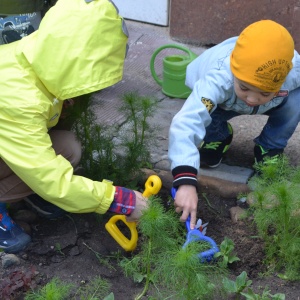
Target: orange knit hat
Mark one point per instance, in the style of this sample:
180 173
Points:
263 55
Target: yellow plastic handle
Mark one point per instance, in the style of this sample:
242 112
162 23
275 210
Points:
152 187
121 239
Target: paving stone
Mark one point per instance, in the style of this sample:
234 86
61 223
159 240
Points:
231 173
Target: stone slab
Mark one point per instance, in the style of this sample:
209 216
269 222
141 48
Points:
229 173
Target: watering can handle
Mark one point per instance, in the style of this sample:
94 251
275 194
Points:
152 68
152 187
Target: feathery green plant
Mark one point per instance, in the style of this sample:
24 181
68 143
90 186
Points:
163 262
116 152
276 211
53 290
97 289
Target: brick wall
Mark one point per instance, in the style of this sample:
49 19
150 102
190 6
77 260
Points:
207 22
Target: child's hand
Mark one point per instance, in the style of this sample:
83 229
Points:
186 201
140 205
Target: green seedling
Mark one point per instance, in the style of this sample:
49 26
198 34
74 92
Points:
117 152
276 211
163 263
109 297
226 253
58 249
236 287
266 295
54 290
102 260
97 289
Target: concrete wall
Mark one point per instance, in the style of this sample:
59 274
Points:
150 11
207 22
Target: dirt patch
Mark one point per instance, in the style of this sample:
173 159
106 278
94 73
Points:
76 248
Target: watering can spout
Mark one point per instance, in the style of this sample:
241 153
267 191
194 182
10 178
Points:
174 71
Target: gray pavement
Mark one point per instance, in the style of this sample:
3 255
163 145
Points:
143 41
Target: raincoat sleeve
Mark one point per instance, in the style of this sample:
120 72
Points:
28 151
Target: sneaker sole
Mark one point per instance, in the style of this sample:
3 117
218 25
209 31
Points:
203 164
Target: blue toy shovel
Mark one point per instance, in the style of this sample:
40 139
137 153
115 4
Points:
194 235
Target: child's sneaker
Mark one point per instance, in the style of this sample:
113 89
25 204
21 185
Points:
260 154
43 208
12 237
211 154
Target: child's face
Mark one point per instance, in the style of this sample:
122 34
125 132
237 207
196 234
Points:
251 95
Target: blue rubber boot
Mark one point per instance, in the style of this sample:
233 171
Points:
13 239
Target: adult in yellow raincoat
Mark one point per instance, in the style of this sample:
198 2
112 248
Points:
79 48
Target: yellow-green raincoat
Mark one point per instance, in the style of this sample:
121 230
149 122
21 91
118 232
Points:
79 48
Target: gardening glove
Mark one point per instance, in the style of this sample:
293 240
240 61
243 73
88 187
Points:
186 201
128 202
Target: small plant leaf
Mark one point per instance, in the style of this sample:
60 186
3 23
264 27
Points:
218 254
241 279
250 295
229 285
138 277
232 259
111 296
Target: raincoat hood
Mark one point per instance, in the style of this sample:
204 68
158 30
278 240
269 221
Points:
79 48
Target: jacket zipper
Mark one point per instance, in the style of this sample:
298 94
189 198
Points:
255 109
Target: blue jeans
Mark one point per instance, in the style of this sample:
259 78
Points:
281 124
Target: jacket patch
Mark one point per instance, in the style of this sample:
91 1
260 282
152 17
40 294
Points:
208 104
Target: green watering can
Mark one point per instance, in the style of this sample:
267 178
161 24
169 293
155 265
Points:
174 71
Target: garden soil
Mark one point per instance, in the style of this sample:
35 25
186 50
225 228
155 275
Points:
77 248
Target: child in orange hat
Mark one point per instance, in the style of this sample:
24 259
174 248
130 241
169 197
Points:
255 73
